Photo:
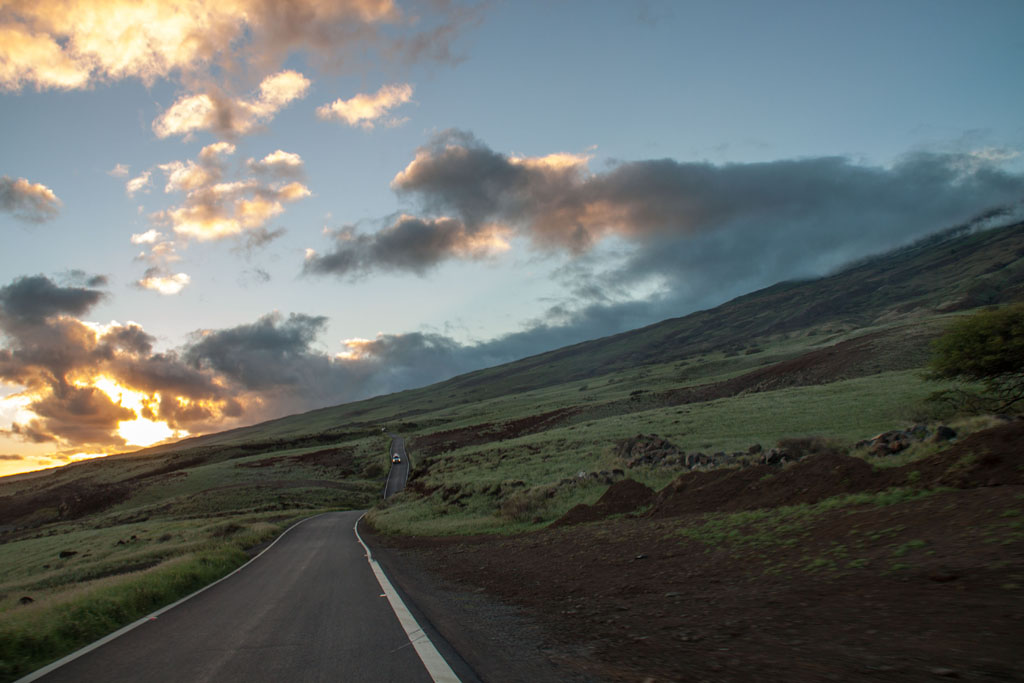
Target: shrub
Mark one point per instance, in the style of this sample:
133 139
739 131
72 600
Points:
987 348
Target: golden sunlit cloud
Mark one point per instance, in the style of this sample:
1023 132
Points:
212 152
165 284
278 162
489 240
292 192
69 44
231 116
28 57
162 253
15 407
149 237
137 183
141 431
215 209
354 348
366 109
28 201
257 211
77 457
186 176
202 222
559 161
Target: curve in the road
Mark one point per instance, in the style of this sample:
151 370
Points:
398 475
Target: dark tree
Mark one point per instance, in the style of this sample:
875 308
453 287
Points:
985 348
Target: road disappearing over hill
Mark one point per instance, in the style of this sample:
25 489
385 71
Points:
399 472
307 609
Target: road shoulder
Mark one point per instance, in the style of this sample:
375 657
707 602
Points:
497 642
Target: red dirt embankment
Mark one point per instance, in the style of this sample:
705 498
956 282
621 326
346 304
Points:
918 590
983 459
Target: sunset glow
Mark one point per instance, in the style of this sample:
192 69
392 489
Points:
141 431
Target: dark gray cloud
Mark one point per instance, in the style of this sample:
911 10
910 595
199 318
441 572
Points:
257 239
80 278
705 227
409 244
35 298
271 353
29 432
29 202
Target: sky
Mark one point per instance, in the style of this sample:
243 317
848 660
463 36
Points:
217 212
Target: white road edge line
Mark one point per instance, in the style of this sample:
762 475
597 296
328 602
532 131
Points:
431 658
39 673
388 482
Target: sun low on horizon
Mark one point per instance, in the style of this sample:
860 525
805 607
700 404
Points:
215 214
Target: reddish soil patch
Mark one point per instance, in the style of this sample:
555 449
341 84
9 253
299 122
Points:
915 591
621 497
475 435
759 486
988 458
68 501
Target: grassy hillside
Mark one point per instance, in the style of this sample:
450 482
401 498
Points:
98 543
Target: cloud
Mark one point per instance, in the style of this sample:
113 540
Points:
137 183
162 253
271 353
276 356
825 210
212 153
4 456
259 238
279 164
149 237
229 116
119 171
215 208
79 278
410 244
73 44
164 283
30 202
366 110
35 298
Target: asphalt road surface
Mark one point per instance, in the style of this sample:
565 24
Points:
399 472
308 609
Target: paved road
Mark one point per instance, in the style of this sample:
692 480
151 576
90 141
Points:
309 609
399 473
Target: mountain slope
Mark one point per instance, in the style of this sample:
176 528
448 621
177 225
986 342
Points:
948 272
955 270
